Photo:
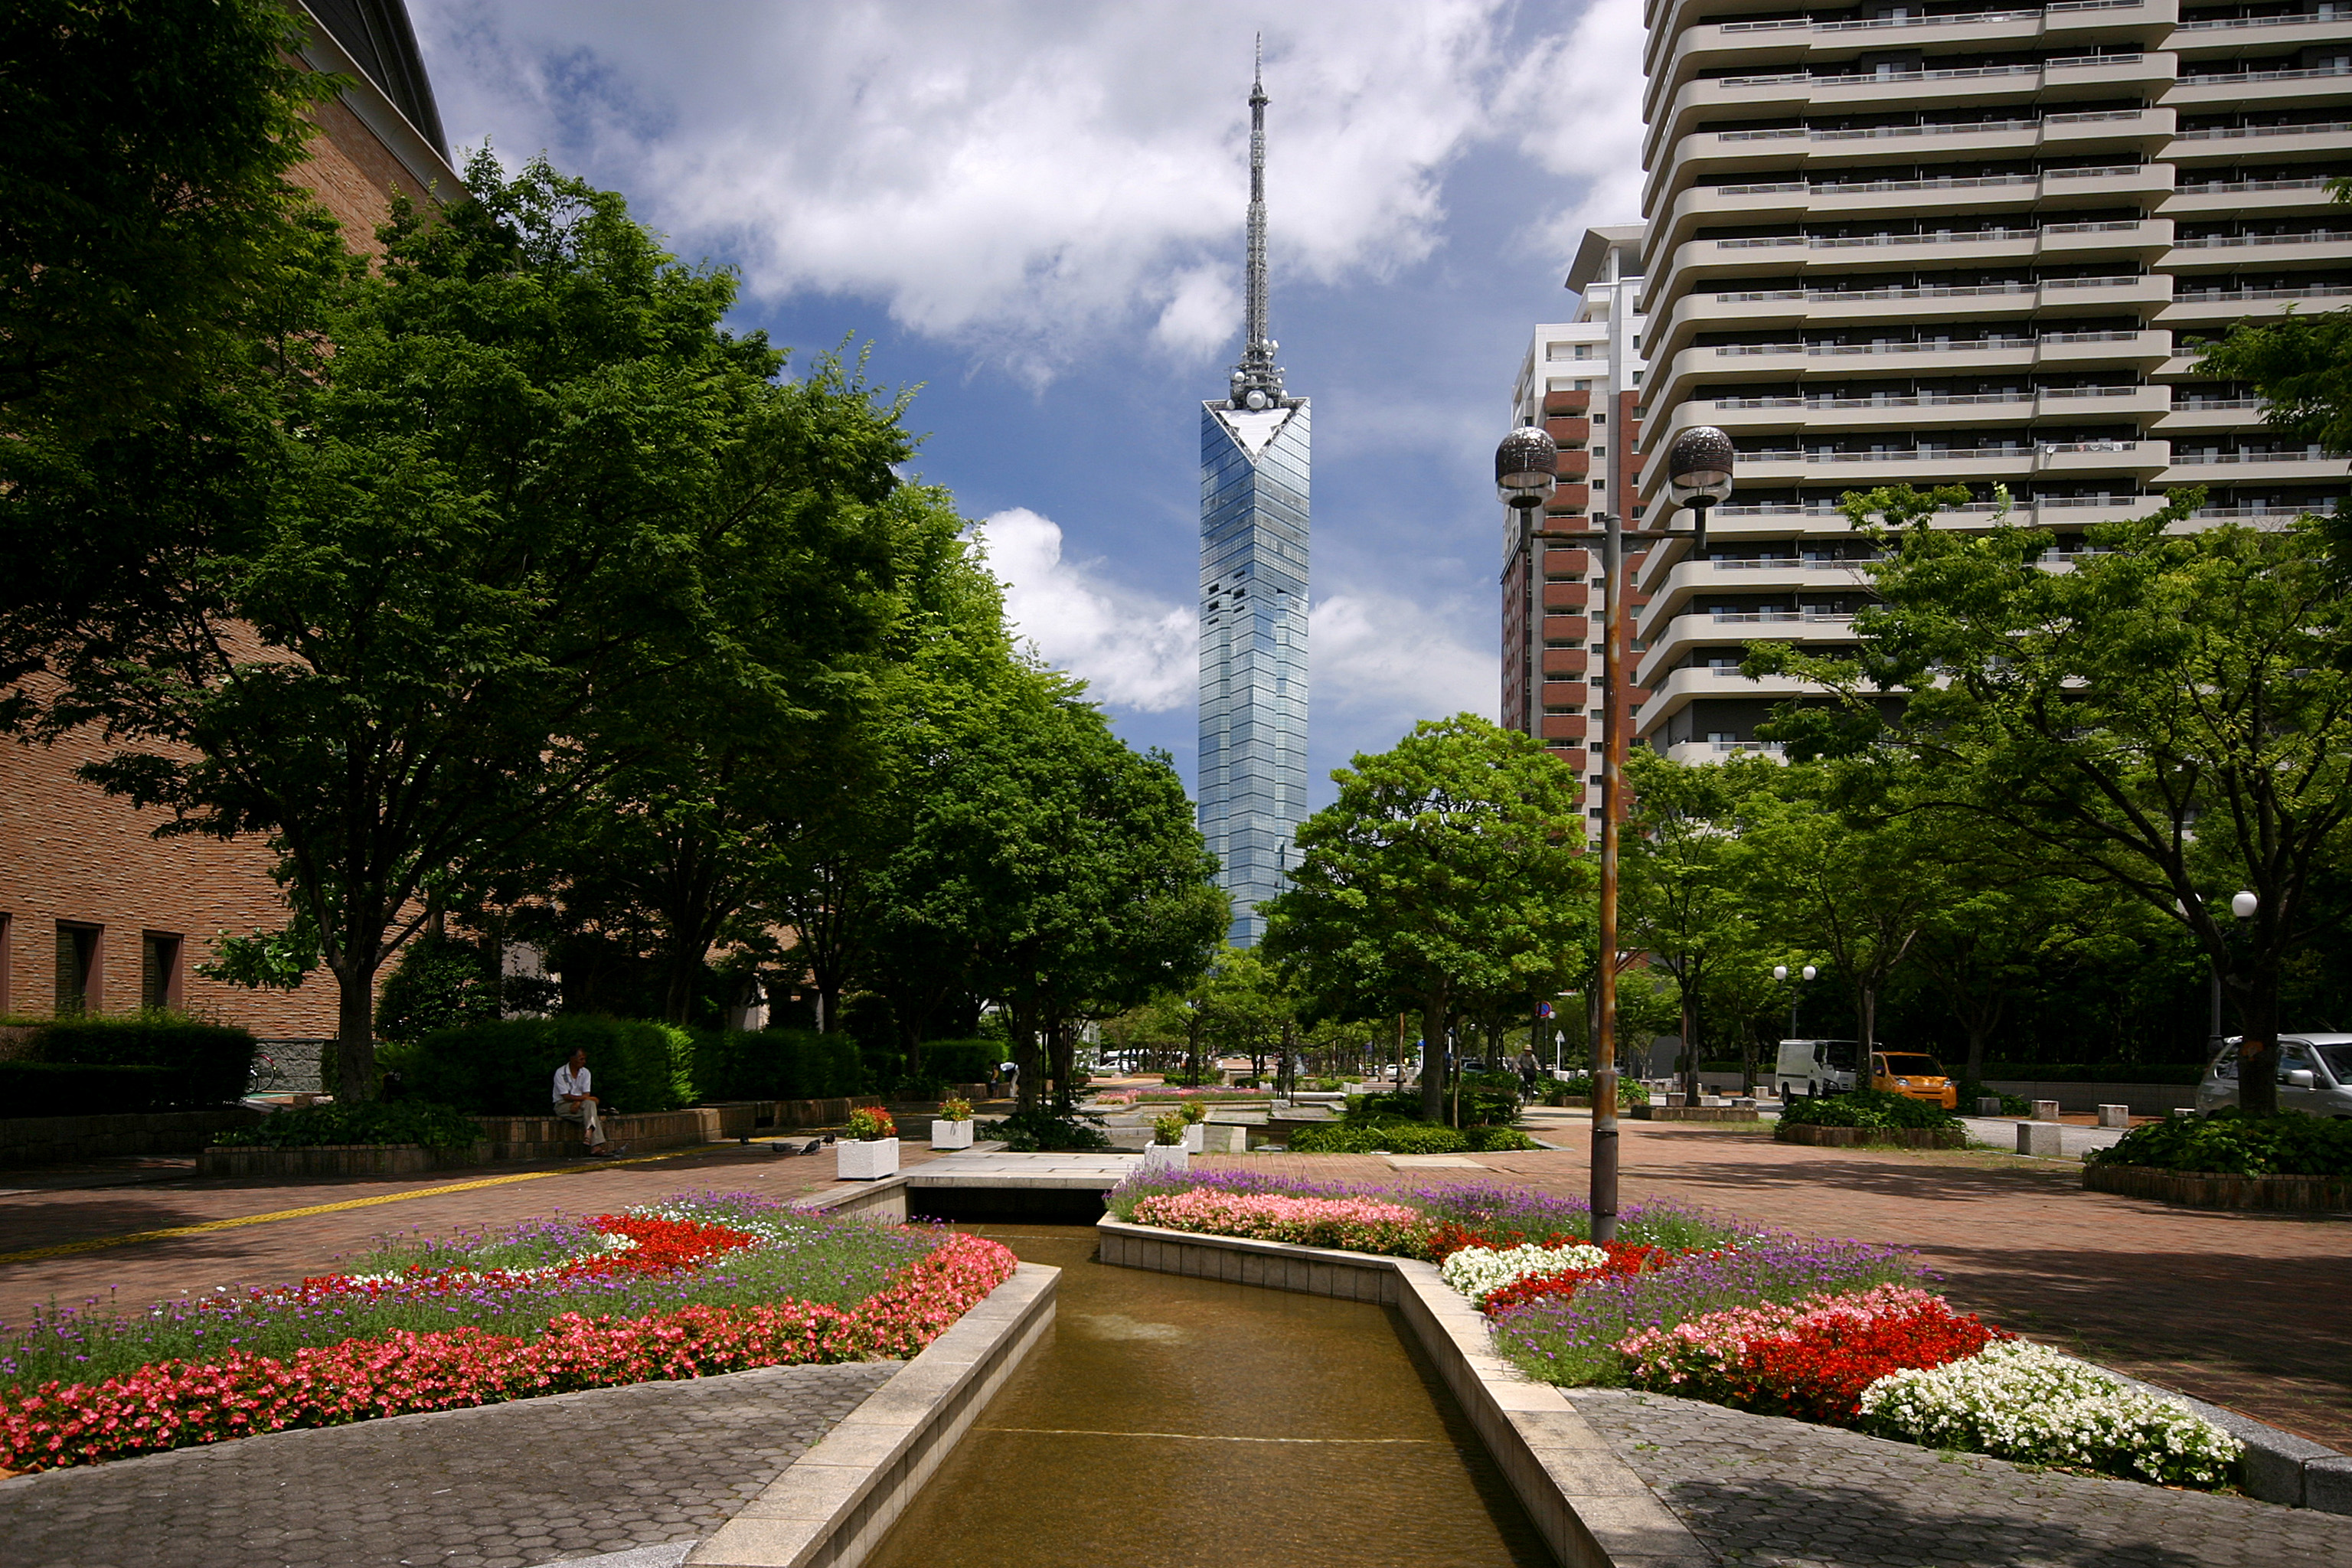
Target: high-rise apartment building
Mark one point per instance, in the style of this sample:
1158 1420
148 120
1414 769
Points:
1935 245
1254 560
1581 379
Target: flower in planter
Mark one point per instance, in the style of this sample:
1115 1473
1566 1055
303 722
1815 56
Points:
1193 1110
955 1110
1169 1128
868 1123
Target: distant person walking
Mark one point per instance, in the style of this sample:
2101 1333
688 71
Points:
574 1102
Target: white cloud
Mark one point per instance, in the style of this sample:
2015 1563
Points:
1575 103
1378 655
1025 178
1133 651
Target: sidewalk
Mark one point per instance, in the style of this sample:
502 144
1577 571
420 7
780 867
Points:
2242 1309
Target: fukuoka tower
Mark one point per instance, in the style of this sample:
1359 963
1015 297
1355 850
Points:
1254 467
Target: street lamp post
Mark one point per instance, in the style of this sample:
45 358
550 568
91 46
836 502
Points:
1698 475
1780 972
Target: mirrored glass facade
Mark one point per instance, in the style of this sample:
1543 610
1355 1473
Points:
1254 560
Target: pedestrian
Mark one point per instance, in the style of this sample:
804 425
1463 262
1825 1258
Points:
1528 1071
574 1102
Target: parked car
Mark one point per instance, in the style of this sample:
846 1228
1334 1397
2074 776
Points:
1815 1067
2315 1075
1912 1075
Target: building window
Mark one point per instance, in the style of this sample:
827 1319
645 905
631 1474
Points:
77 969
159 970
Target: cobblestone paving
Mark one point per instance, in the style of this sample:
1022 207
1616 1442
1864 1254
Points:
498 1487
1771 1493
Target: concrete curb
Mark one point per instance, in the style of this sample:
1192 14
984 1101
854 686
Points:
833 1506
1592 1509
2281 1467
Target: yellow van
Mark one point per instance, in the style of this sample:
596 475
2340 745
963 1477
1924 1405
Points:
1918 1077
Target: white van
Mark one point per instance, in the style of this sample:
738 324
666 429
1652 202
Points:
1815 1067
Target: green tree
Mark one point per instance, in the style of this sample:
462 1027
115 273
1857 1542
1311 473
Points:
1450 865
1245 1008
2170 717
535 484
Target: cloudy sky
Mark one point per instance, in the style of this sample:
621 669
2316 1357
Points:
1033 210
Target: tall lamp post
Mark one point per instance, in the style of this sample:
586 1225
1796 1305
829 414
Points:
1698 475
1780 972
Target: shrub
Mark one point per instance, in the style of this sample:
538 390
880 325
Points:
1396 1138
71 1089
961 1061
776 1064
507 1067
1492 1140
215 1061
1867 1108
1578 1086
955 1110
1968 1091
1193 1110
364 1122
439 983
2026 1402
1037 1129
2231 1144
870 1122
1168 1129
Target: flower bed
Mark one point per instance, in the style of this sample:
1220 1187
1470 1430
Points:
2230 1142
1353 1225
690 1288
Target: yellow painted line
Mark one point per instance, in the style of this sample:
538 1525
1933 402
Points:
1189 1437
100 1242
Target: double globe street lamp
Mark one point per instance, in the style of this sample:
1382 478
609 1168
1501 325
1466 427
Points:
1698 475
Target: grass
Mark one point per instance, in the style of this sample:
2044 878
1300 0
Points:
808 1258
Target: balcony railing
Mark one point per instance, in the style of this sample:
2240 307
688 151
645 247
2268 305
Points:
1920 399
2218 187
2250 22
2316 292
2312 236
2299 73
2020 449
1961 20
2255 455
1936 237
1775 617
2227 132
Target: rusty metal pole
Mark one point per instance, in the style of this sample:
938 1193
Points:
1613 763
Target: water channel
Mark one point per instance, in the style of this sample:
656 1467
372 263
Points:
1176 1422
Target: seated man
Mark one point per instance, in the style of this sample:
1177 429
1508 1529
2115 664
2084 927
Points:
574 1103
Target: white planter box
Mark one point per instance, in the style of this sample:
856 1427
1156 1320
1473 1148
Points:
1169 1156
951 1134
865 1161
1196 1139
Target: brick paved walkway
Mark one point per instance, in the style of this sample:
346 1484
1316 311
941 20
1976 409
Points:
289 1249
2242 1309
1786 1494
498 1487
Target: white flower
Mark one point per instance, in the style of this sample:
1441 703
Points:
1479 1271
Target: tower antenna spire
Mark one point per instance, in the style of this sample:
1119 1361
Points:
1258 379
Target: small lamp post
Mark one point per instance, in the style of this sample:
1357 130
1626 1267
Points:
1780 972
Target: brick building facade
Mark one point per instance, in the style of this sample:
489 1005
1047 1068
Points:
95 911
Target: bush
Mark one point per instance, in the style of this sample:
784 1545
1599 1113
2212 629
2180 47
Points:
961 1061
440 982
365 1121
1558 1091
1037 1129
1969 1092
215 1061
71 1089
1396 1138
1867 1108
1189 1079
776 1064
507 1067
2231 1144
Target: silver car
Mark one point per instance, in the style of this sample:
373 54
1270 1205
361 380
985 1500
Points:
2315 1075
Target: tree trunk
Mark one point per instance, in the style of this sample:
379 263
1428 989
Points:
354 1031
1432 1059
2257 997
1866 1015
1062 1043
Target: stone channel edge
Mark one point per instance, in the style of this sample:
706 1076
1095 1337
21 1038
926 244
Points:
832 1505
1592 1508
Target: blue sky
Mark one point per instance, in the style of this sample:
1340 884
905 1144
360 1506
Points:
1034 210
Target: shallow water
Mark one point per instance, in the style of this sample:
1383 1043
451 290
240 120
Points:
1173 1422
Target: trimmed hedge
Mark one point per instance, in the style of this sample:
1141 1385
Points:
369 1122
73 1089
2231 1143
775 1064
1405 1138
213 1063
1866 1108
507 1067
962 1061
2104 1072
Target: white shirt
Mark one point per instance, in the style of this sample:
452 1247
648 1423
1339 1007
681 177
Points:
569 1082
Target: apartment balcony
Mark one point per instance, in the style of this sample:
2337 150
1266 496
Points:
1796 308
1675 110
1569 431
2212 416
2236 143
1568 499
1564 726
1678 688
1574 463
1565 661
2233 34
2231 251
2201 89
2212 309
1793 201
1565 628
2195 198
2226 468
1672 587
2144 350
1700 753
1566 597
